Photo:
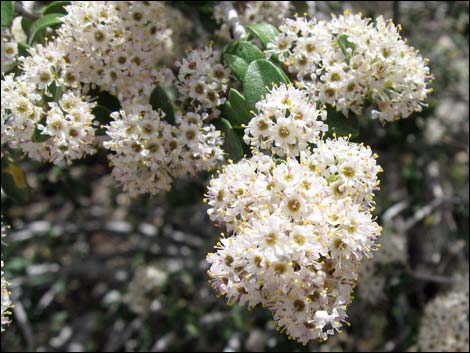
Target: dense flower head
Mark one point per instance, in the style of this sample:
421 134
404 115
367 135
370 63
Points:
444 327
352 64
116 45
148 152
45 110
293 244
202 81
286 122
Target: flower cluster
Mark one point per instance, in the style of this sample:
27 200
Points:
352 64
202 81
444 327
45 111
149 152
286 122
250 12
5 295
116 45
296 236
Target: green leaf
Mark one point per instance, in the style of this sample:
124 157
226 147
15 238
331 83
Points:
236 64
245 50
345 44
260 76
26 24
55 7
342 125
8 13
50 20
23 49
14 183
265 32
38 136
230 114
103 116
238 103
232 143
160 100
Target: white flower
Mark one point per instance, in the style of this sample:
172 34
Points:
350 61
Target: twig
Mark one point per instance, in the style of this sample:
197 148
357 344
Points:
433 278
233 19
19 8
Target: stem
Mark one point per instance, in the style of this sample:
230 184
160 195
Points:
19 8
231 15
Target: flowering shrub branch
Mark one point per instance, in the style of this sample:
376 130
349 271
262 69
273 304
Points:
279 104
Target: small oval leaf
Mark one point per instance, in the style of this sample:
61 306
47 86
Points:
236 64
238 103
260 76
232 143
265 32
55 7
245 50
51 20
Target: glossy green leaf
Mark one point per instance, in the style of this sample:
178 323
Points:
8 13
236 64
160 100
26 24
232 142
230 114
238 103
265 32
55 7
260 76
50 20
245 50
14 183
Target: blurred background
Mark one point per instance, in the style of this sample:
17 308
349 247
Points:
92 269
